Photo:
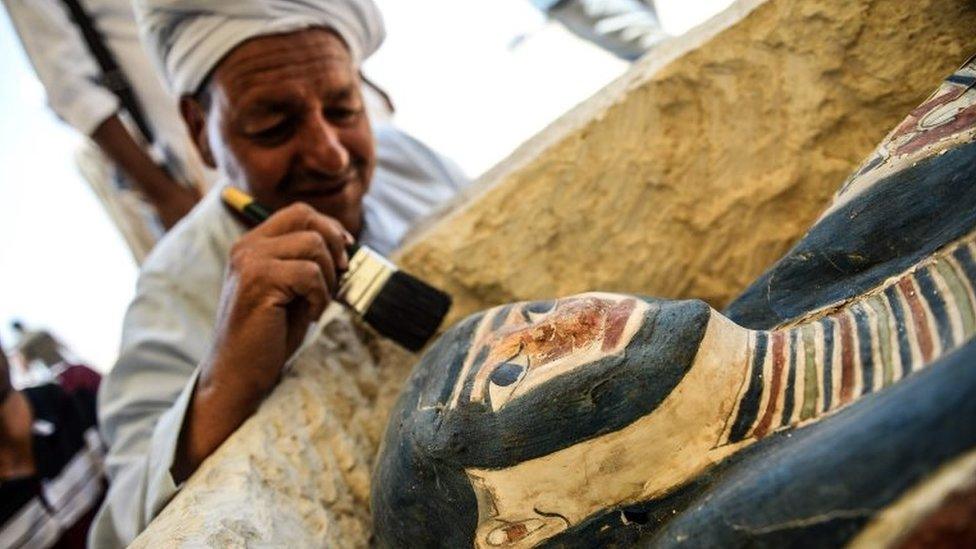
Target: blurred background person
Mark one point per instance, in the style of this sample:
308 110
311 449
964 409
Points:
99 80
51 473
35 352
38 346
626 28
40 355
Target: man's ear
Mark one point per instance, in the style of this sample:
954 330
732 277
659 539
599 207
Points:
195 118
6 386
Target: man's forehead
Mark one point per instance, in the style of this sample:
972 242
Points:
311 54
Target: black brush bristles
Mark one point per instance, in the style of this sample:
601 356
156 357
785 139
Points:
408 310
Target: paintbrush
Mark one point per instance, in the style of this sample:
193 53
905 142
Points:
396 304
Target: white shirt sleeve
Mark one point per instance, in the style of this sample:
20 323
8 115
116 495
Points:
63 63
142 404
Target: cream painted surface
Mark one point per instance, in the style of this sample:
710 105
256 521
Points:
646 459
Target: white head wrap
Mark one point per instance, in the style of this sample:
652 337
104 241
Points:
189 37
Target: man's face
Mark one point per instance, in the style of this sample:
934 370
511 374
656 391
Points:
285 121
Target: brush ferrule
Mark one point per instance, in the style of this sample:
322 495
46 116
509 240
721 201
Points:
367 274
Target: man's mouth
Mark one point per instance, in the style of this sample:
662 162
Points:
331 188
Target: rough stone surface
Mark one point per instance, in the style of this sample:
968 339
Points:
297 473
701 166
687 177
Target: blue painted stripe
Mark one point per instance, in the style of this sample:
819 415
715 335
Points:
937 305
961 79
864 348
500 316
965 259
901 324
828 363
749 406
789 397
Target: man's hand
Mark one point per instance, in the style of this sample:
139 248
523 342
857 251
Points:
280 278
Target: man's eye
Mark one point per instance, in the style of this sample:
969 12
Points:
275 133
341 115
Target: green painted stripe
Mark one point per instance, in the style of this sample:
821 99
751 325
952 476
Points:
884 337
960 297
811 388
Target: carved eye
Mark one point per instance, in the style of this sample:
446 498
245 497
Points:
540 307
537 308
506 374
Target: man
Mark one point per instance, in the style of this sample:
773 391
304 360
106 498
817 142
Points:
625 28
271 96
165 171
51 478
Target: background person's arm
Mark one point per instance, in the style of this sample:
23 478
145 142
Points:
171 199
71 76
62 63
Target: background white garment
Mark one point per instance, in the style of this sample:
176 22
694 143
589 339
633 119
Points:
70 74
410 180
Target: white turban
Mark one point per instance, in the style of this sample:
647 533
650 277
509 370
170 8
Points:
189 37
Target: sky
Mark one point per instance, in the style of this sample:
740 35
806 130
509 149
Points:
471 78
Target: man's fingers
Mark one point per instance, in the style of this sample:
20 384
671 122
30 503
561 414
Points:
337 242
302 217
303 277
308 245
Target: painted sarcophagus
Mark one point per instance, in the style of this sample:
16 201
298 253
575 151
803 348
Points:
834 402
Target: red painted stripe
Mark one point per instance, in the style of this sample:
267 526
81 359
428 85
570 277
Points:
779 360
846 359
919 319
616 321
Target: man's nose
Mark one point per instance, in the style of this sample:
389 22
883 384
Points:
321 147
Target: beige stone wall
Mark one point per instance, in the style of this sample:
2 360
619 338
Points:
296 474
701 166
687 177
